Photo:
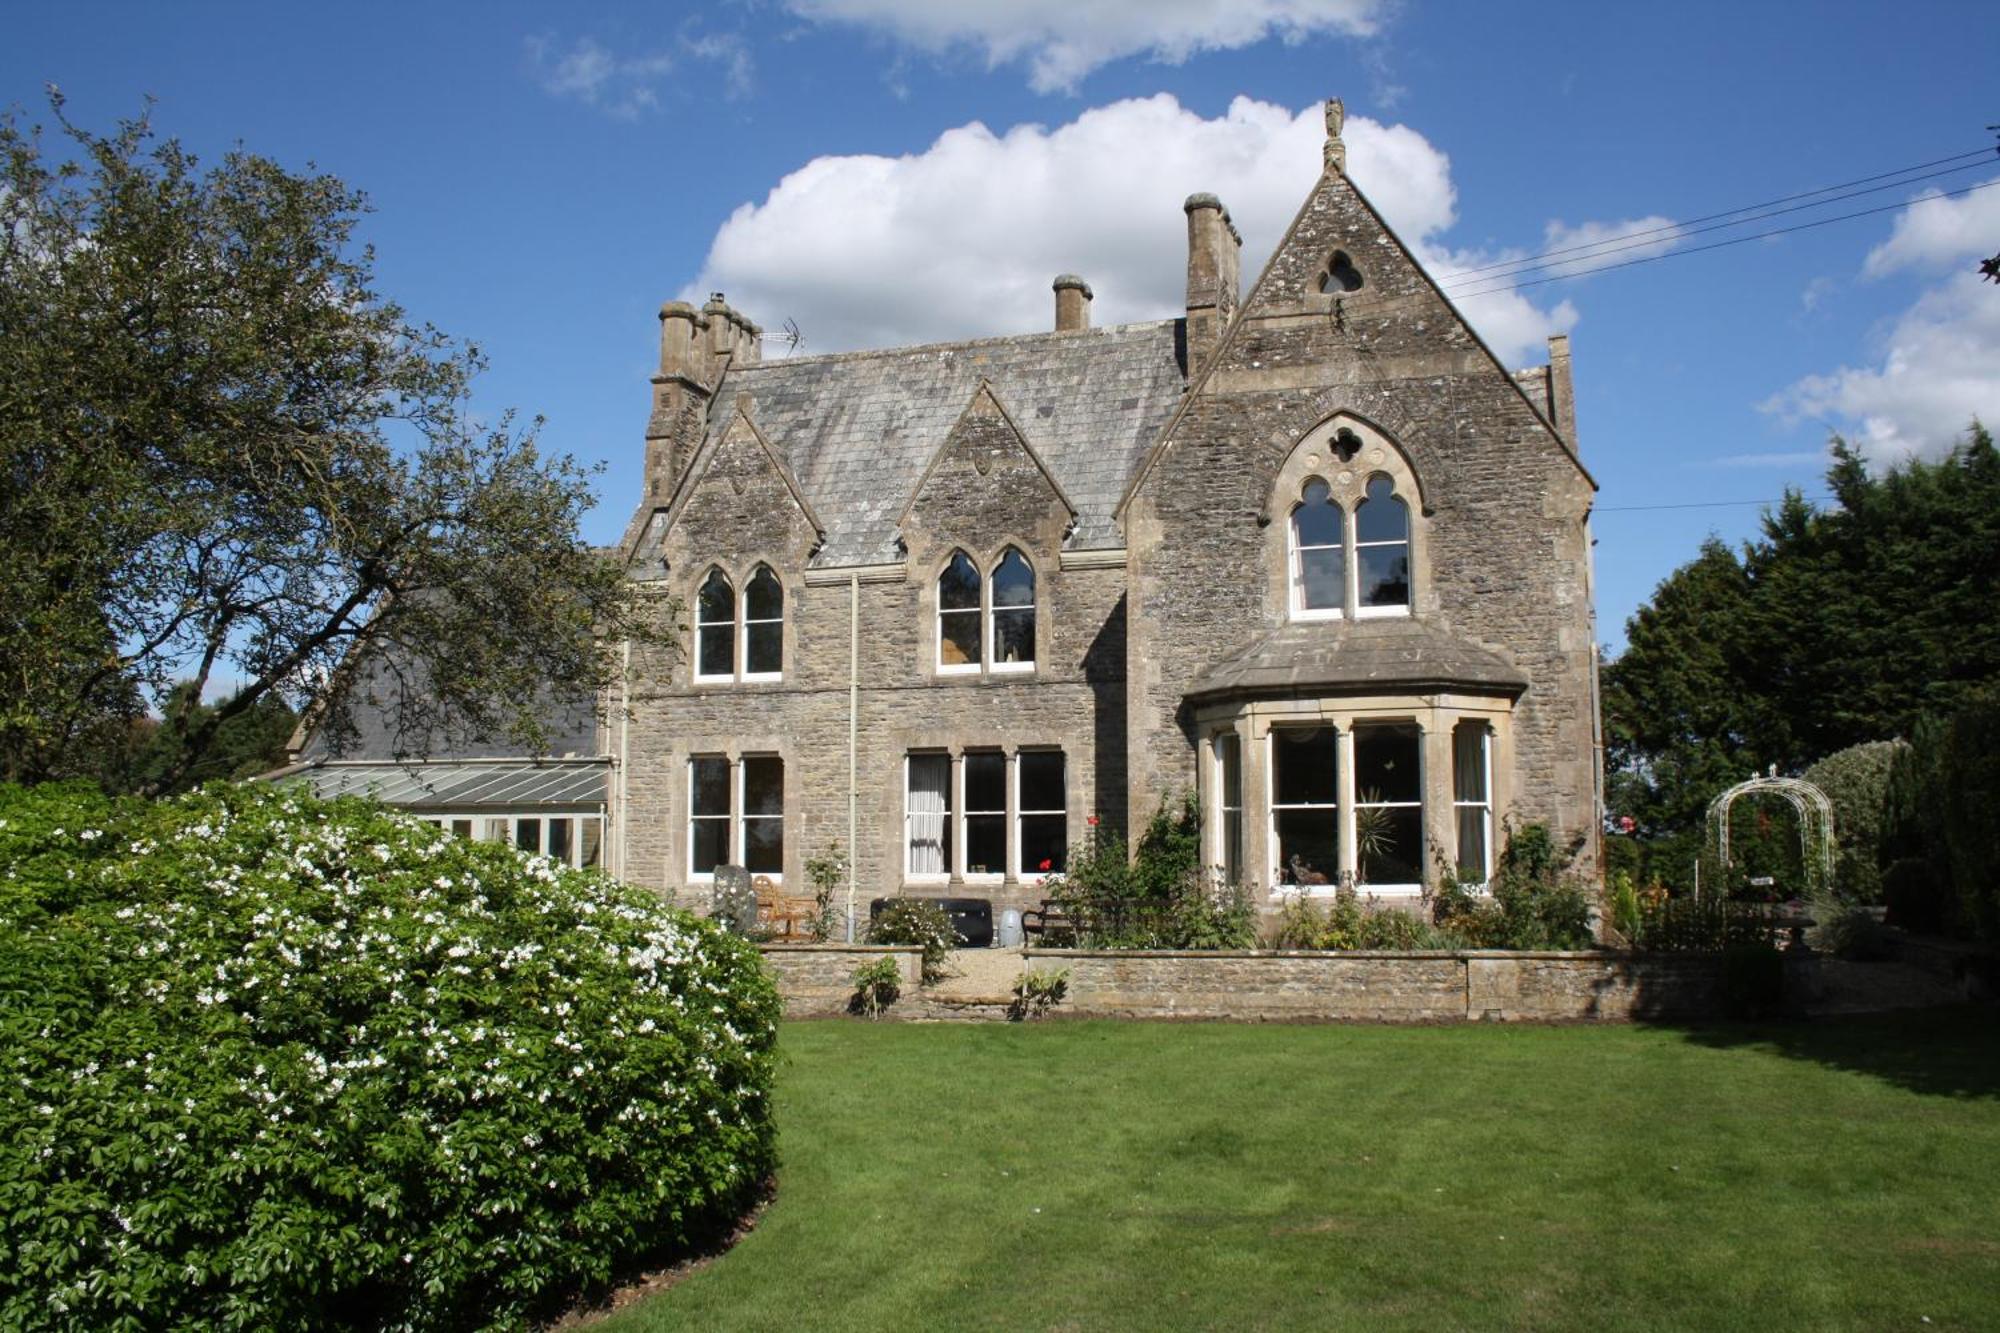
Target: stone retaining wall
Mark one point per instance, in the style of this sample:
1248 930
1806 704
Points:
817 980
1423 987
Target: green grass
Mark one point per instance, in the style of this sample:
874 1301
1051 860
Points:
1153 1176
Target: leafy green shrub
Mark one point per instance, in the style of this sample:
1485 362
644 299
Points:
278 1063
1916 896
827 871
876 986
918 921
1036 992
1543 905
1348 923
1160 898
1621 904
1856 781
1753 980
1848 931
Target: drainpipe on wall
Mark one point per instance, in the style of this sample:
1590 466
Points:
624 748
853 731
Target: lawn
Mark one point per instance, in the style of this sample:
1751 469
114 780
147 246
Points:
1157 1176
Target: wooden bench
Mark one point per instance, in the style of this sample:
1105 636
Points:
1048 925
787 918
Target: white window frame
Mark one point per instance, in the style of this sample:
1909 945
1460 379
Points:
702 626
984 623
963 813
953 852
1218 857
739 815
1352 529
1485 807
1014 842
744 622
991 612
1295 557
1352 852
478 827
728 818
1342 823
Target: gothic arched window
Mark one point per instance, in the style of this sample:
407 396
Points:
1318 554
1013 612
715 629
1382 550
960 641
763 625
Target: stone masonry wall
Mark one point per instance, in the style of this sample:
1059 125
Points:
817 980
985 492
1383 987
1508 542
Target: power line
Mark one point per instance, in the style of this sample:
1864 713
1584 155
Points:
1734 240
1673 231
1701 504
1683 226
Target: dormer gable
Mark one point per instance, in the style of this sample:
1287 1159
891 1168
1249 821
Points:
985 486
739 496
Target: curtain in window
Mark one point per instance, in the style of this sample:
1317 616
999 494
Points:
1471 799
929 814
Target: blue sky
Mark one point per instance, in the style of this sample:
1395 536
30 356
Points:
896 170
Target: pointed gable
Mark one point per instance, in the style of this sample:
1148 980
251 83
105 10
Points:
985 484
1344 318
741 497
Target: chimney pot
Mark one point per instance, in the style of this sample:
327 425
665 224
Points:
1073 297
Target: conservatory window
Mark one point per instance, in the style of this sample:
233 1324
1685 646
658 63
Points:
715 629
1472 799
1305 805
927 815
1382 551
1013 613
959 633
1318 555
1388 804
573 840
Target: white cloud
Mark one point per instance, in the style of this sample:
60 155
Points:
1938 364
1935 232
1063 40
1938 367
963 239
625 86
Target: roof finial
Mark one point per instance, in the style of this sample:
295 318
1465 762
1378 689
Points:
1336 151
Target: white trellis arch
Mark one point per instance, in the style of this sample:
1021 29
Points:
1815 814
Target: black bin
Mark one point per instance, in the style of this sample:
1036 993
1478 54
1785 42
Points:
972 918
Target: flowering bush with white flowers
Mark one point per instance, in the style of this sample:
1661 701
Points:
271 1062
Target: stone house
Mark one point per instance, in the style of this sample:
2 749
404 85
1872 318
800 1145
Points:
1308 550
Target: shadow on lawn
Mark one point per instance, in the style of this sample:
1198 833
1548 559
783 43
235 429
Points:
1952 1052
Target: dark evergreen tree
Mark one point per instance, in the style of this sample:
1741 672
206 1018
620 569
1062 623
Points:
1834 627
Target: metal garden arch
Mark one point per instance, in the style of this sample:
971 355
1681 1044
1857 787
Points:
1815 814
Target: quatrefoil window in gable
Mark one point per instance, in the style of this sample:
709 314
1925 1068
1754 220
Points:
1340 276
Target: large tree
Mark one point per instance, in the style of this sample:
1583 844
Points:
229 460
1836 626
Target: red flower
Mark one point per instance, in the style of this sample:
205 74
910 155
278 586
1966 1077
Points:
1046 863
1092 821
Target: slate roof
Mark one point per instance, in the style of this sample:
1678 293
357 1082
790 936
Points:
510 785
858 428
1372 656
570 726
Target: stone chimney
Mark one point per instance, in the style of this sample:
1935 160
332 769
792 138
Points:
1562 392
1214 263
1073 297
696 348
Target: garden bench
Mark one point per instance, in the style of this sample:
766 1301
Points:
1048 924
785 917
